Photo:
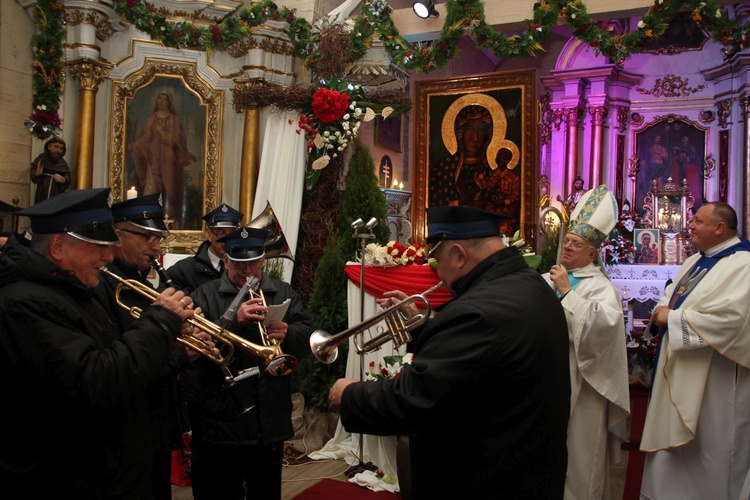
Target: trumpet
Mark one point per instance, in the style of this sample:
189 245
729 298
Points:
324 346
277 363
225 340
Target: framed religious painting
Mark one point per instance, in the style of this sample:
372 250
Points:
389 132
475 145
670 150
646 246
165 139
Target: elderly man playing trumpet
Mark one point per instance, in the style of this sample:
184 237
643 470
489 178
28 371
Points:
139 223
488 366
66 358
599 400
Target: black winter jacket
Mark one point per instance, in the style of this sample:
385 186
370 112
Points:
74 419
271 419
191 272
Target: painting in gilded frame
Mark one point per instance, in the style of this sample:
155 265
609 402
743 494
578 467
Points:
475 138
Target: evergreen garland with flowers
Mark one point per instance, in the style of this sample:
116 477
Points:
618 247
462 17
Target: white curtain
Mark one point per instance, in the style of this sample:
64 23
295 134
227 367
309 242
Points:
380 450
281 180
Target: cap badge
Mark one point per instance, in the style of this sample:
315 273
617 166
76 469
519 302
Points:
110 199
224 208
244 234
161 201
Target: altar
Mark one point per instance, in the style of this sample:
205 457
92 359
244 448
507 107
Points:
641 286
380 450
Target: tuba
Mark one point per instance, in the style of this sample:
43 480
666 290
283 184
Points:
325 346
275 245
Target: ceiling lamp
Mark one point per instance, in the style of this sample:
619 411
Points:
425 9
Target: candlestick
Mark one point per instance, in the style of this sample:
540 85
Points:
132 193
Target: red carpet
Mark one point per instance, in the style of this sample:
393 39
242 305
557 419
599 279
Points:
330 489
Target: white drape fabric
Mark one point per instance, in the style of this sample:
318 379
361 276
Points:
281 180
380 450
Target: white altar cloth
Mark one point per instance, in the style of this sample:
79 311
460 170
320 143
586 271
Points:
380 450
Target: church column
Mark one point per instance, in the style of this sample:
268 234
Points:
598 117
745 105
89 74
250 167
572 119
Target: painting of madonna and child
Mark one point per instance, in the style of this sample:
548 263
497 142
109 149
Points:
165 142
477 149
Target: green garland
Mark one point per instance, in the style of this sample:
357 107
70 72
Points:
463 17
48 69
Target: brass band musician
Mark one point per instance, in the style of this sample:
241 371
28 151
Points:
233 450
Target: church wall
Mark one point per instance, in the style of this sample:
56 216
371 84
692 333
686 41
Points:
16 29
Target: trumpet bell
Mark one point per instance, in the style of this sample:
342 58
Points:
276 245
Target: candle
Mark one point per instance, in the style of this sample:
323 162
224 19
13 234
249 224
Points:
395 183
132 193
401 186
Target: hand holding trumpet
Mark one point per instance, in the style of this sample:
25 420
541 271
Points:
393 297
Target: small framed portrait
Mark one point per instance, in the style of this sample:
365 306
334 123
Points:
389 133
646 246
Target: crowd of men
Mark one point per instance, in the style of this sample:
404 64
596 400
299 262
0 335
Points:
517 387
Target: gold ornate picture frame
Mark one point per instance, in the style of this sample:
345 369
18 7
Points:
503 177
165 138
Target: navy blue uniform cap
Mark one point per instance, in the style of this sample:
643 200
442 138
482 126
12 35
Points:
82 213
223 216
146 212
245 244
461 223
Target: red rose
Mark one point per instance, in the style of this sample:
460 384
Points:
329 105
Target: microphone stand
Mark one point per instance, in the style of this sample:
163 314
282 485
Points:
363 236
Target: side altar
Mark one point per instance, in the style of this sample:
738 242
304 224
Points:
641 286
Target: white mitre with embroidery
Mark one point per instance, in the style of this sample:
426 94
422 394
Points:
594 216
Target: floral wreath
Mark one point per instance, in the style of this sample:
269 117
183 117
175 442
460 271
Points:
463 16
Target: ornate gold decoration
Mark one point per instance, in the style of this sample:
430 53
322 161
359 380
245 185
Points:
123 90
598 115
622 117
273 46
706 116
634 165
90 73
573 116
636 120
104 28
724 112
671 86
547 115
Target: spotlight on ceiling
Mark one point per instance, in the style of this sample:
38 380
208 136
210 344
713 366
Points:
425 9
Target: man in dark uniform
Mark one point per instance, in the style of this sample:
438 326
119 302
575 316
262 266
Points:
486 398
139 223
207 264
230 449
68 361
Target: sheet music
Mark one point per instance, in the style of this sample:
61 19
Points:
276 313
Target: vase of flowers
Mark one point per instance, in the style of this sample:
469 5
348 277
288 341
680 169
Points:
618 247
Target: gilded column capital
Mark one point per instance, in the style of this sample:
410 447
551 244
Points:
90 73
573 116
598 115
745 106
